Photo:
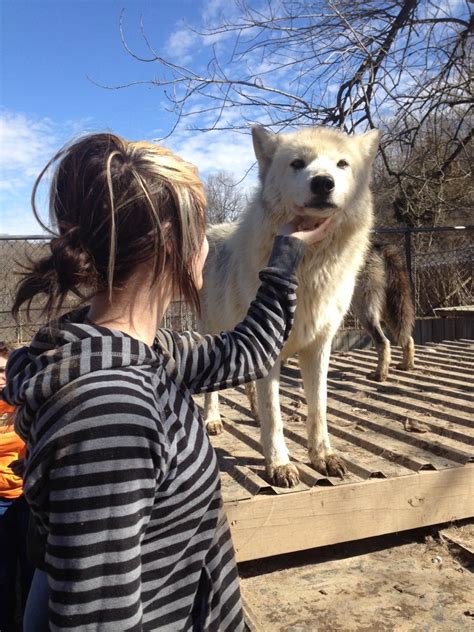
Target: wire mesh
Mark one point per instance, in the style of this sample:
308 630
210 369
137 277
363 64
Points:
440 260
442 270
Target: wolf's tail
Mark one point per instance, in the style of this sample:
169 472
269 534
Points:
399 308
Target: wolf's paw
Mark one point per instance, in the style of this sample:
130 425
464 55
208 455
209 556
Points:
405 366
285 475
214 427
335 466
377 376
330 465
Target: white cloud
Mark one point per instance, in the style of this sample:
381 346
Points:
180 45
215 10
27 143
217 151
184 44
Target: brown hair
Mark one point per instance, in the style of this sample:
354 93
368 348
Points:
5 348
116 204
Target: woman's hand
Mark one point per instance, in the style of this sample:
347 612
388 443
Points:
308 229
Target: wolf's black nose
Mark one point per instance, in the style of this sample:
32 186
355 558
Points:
322 185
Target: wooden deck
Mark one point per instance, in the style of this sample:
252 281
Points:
399 478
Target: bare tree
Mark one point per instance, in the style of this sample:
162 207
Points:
225 200
400 65
422 194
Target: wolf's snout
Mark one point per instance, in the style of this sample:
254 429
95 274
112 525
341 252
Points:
322 185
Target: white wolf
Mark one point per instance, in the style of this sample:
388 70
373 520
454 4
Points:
315 172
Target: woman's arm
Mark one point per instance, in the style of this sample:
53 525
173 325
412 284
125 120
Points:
212 362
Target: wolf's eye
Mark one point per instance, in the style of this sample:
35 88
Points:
298 164
342 164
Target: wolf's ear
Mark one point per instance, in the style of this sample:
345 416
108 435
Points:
264 145
370 143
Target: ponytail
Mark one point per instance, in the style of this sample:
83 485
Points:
65 270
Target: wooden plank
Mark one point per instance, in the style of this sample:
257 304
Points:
432 444
438 330
381 493
453 537
438 353
238 425
271 525
463 352
377 435
467 345
401 447
388 407
420 376
361 459
450 329
427 330
460 347
461 310
440 363
458 378
439 411
417 332
462 326
408 392
413 379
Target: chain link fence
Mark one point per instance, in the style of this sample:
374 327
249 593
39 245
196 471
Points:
440 264
15 254
439 260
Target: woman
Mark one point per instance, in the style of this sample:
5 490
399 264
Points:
120 474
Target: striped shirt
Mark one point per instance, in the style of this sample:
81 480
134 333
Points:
120 474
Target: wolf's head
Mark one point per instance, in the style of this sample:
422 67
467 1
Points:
314 172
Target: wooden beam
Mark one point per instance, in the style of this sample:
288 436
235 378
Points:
271 525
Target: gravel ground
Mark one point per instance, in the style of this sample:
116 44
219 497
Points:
411 582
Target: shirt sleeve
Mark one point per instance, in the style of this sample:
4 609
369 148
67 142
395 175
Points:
210 362
102 483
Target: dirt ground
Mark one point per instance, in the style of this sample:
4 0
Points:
417 581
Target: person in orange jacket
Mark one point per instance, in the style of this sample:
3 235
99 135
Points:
14 514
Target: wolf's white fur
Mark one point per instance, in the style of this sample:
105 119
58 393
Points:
326 275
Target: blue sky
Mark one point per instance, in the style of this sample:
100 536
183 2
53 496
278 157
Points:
48 50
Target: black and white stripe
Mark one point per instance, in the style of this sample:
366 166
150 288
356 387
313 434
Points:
120 474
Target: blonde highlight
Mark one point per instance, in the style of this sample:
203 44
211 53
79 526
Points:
113 236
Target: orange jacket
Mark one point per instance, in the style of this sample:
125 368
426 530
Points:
11 448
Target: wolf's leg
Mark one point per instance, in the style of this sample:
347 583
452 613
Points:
280 470
212 416
314 364
251 392
408 361
382 346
